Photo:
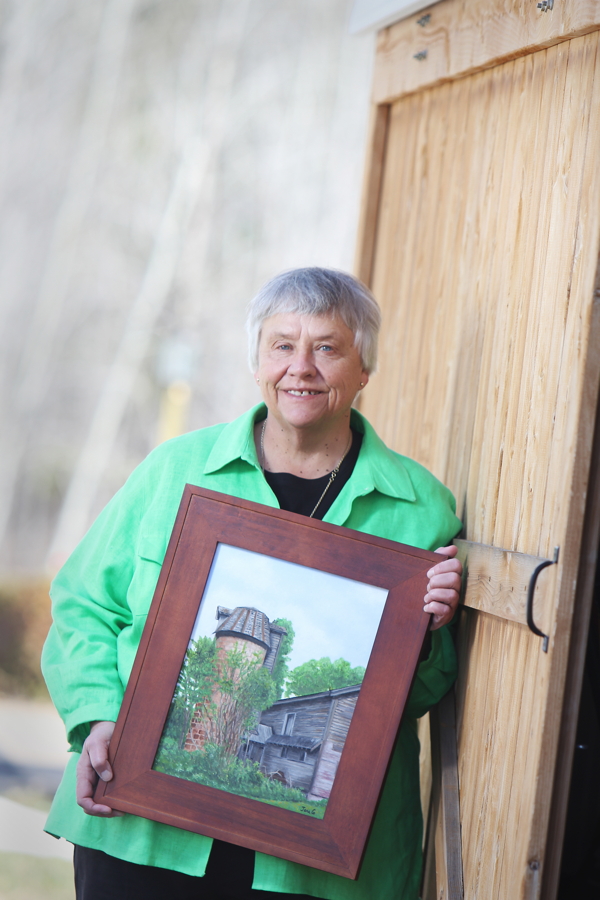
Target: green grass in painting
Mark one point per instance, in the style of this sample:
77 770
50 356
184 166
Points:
214 768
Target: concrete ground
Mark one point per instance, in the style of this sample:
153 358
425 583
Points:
33 754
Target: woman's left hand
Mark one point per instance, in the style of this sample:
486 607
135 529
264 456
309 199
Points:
443 589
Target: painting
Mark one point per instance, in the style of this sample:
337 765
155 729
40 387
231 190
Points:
270 681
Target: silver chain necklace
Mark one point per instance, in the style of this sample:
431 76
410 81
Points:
332 476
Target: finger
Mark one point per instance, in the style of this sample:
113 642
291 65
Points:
99 761
442 595
86 783
450 581
441 604
96 745
438 607
439 622
449 565
447 551
87 779
97 809
441 614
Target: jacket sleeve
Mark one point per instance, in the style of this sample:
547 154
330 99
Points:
90 611
435 675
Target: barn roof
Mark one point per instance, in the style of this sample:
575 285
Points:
294 740
309 698
260 734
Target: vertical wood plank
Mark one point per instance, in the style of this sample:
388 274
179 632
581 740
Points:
487 240
367 228
424 765
448 844
580 627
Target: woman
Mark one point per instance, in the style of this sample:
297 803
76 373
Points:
313 339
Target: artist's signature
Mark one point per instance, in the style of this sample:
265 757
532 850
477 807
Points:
309 812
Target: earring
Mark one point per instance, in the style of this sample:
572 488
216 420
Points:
258 380
362 384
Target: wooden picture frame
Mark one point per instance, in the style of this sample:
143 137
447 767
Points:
207 521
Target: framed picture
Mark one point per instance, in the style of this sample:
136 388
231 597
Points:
270 681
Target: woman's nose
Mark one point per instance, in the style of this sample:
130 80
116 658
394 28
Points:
302 364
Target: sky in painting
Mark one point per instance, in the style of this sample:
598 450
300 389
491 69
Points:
332 616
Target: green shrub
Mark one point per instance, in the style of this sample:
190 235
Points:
24 623
213 767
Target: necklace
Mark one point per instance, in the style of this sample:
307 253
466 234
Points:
332 476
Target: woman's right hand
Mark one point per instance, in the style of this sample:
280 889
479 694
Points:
93 763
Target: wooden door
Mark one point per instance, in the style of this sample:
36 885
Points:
480 239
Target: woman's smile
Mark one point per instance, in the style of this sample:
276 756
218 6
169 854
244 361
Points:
296 393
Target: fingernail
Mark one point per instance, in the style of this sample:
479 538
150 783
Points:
106 776
430 573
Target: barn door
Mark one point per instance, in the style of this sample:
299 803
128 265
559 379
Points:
480 238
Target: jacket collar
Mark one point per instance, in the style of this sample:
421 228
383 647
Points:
377 467
236 441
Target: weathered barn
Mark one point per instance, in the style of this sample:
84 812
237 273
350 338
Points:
300 739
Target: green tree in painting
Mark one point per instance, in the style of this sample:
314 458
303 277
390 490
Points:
318 675
241 690
281 668
224 691
193 687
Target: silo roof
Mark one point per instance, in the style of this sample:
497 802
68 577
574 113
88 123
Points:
249 623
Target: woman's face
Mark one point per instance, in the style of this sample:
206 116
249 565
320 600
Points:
309 370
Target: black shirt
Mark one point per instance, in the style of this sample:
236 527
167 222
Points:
300 495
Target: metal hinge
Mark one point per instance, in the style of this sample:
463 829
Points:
530 592
545 5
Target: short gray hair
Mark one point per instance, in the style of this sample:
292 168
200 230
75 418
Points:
318 292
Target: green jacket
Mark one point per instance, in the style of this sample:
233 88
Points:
100 600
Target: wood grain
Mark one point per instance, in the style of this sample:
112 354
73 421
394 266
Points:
424 735
580 627
464 37
496 581
485 258
367 228
448 844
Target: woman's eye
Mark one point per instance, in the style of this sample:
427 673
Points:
326 347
